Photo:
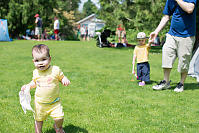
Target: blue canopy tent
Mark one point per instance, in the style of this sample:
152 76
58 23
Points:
4 35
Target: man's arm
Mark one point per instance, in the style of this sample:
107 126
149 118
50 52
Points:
36 20
187 7
161 25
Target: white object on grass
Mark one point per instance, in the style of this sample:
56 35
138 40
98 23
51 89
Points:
25 99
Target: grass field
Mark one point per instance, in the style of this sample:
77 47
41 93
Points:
101 97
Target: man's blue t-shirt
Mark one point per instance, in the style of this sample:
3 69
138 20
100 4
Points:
182 23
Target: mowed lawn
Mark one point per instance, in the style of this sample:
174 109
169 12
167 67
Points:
101 97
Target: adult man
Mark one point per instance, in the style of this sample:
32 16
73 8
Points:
56 28
38 29
180 39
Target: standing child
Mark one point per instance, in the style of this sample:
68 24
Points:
46 80
141 53
124 36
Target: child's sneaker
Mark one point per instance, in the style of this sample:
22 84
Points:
141 84
162 85
179 87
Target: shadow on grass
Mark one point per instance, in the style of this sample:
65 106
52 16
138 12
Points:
191 86
187 86
148 82
151 82
70 129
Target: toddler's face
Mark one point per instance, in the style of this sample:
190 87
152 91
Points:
141 41
41 60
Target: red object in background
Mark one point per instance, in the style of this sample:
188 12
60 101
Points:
37 15
56 31
120 27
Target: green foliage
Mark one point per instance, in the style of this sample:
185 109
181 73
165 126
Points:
135 15
89 8
4 5
20 14
101 98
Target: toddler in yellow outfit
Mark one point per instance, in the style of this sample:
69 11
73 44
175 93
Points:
141 53
46 80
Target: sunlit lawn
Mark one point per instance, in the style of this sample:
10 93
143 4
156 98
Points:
101 97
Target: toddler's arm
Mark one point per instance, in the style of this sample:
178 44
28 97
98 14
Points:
150 42
133 69
65 81
31 85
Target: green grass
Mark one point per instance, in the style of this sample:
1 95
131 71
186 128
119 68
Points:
101 97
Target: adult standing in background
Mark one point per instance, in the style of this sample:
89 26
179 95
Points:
38 29
119 30
179 41
56 28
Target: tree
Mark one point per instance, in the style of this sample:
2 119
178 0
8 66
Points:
135 15
4 8
20 13
89 8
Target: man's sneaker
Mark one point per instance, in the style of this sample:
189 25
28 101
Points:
162 85
179 87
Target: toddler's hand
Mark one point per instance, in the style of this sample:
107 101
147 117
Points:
65 81
150 41
133 71
23 87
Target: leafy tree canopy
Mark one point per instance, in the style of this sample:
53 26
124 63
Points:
20 14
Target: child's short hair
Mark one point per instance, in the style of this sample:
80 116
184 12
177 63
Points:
40 48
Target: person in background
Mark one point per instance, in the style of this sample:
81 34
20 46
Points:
119 30
124 36
32 34
87 35
38 28
141 54
56 28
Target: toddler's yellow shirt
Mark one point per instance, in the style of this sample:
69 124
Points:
142 53
47 84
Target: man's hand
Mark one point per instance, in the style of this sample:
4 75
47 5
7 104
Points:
153 35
